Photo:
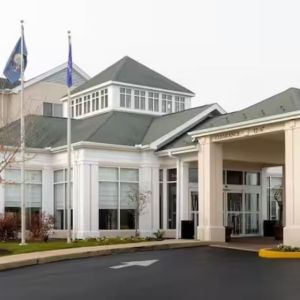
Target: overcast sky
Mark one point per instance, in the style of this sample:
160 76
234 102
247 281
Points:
234 52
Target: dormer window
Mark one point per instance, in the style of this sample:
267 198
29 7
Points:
95 101
104 98
153 101
179 103
139 99
166 103
86 104
125 97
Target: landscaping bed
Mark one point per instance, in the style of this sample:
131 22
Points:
281 251
13 247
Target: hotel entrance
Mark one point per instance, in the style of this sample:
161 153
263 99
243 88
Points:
242 202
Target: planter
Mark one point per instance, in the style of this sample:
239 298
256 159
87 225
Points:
228 231
278 232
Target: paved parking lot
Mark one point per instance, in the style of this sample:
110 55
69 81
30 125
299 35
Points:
197 273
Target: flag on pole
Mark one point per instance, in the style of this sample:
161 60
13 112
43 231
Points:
70 67
12 70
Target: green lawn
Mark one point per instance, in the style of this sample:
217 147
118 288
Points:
8 248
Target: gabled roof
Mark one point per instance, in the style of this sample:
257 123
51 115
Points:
114 128
127 70
285 102
46 75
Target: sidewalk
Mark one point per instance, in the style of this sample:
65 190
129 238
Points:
42 257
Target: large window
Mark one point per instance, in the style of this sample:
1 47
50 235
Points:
125 97
78 106
116 210
153 101
33 192
139 99
60 199
166 104
171 189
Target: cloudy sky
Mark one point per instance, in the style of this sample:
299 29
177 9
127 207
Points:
234 52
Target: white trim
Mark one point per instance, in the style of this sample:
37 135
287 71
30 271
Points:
118 83
191 122
241 125
93 145
180 150
91 89
49 73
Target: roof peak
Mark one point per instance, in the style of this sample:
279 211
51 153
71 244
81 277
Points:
128 70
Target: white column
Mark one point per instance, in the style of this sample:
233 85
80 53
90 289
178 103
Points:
149 182
184 192
48 191
264 194
87 219
210 161
291 234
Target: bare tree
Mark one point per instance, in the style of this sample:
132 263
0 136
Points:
138 199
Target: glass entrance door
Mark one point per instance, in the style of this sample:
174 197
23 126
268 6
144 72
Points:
194 209
242 212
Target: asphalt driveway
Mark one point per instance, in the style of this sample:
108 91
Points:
195 273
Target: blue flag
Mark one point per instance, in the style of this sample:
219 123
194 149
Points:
12 70
70 68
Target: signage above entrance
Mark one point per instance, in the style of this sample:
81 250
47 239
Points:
237 134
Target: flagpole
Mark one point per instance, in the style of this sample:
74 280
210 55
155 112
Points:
69 156
22 137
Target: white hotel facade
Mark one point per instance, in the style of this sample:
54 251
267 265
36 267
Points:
133 127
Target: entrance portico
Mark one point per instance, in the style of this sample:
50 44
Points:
259 146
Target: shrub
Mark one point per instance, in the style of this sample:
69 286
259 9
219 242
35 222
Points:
9 226
159 234
42 225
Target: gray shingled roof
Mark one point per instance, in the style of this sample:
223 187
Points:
286 101
164 124
128 70
115 127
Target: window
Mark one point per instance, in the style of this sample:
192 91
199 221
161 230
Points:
33 191
252 178
166 103
60 199
139 99
193 175
86 104
235 177
179 103
153 101
104 98
95 101
116 211
274 189
78 106
171 189
52 109
125 97
33 188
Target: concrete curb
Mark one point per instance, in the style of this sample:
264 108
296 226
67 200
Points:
43 257
234 248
